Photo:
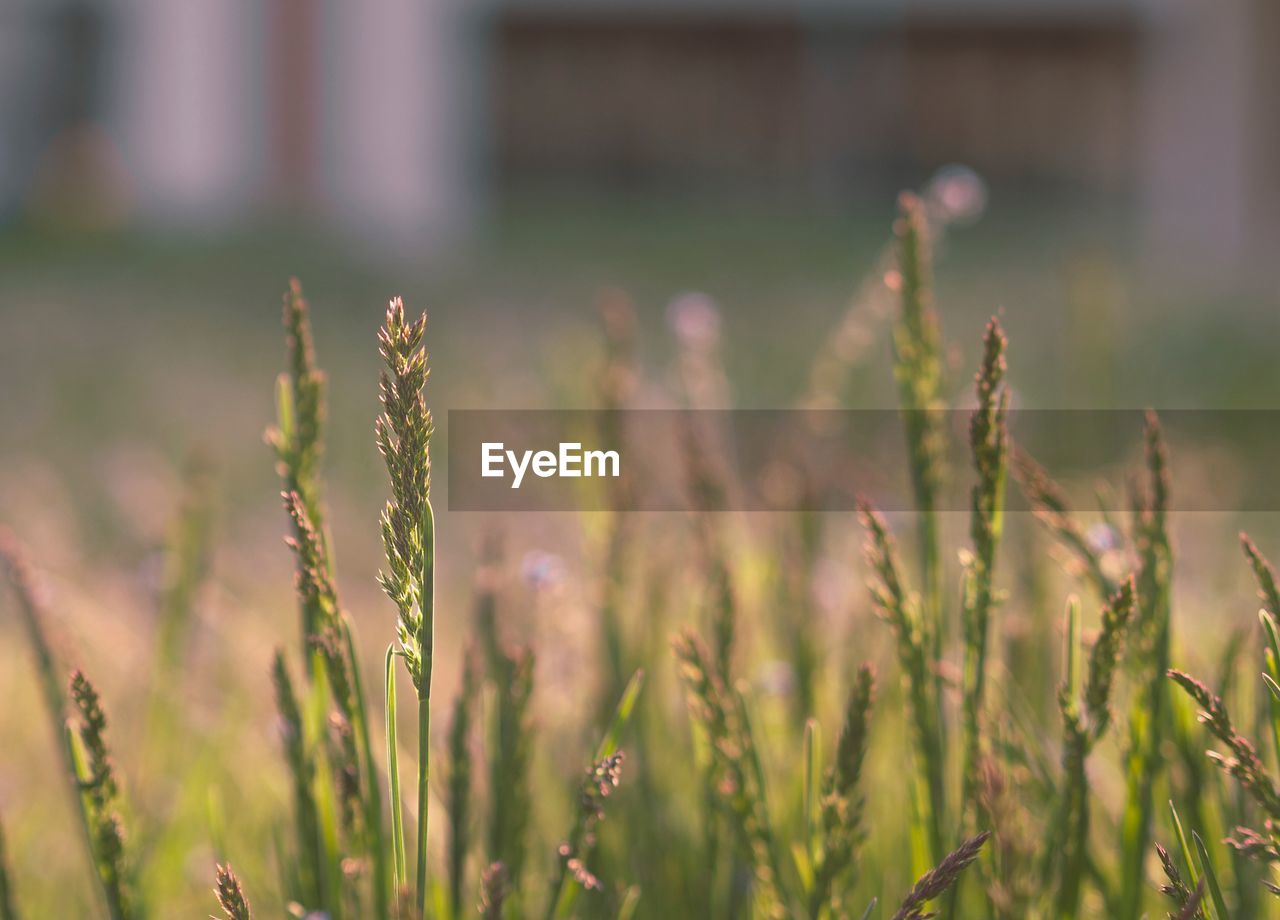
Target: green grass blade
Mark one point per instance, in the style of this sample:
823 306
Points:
399 874
1074 666
1206 869
812 790
630 902
621 717
426 643
424 796
1271 676
1273 634
1193 873
322 791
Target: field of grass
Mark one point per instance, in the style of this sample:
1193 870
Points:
983 713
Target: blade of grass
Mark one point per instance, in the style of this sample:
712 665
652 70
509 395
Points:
811 784
622 713
323 793
1206 869
399 875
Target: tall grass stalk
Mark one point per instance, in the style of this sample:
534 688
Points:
734 778
1086 713
327 635
602 777
298 435
707 495
509 680
33 606
989 444
188 558
312 868
458 803
1149 720
100 799
900 608
408 531
841 805
399 871
917 350
616 386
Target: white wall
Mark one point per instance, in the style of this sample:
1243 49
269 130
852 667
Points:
396 134
1199 172
186 110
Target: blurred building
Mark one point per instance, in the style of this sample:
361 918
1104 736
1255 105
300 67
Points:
1164 105
206 112
398 117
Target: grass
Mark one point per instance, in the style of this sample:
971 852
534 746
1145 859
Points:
958 780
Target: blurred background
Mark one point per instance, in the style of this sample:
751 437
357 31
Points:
415 125
1110 169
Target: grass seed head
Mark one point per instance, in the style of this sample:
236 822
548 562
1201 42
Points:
403 433
1264 573
842 803
717 709
230 896
101 799
1243 763
1105 656
92 730
298 436
937 880
493 891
